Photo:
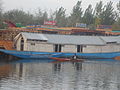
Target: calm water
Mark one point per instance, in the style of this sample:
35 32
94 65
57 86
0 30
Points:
51 75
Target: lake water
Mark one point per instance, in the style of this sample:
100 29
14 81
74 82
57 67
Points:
51 75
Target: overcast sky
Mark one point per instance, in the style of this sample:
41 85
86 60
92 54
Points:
32 5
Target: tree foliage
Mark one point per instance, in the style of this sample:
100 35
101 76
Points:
40 17
118 6
88 15
97 13
101 14
76 14
108 15
18 16
60 17
98 9
118 19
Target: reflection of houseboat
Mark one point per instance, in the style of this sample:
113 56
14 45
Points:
5 70
36 45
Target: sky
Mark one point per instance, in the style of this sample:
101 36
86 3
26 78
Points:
48 5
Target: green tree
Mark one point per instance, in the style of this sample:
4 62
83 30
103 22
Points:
18 16
76 15
97 12
60 17
88 15
52 16
1 15
98 9
44 16
118 17
1 8
108 14
40 17
118 6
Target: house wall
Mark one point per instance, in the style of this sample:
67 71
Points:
111 48
46 47
106 48
43 47
18 44
92 49
69 48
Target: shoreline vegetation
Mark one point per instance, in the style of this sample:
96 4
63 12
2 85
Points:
102 14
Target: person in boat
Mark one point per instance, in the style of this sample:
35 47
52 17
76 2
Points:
74 57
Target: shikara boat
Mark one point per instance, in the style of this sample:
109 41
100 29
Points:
67 59
32 54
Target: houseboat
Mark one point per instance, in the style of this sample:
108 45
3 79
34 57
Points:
36 45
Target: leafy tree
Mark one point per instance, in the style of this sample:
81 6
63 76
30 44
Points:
118 8
40 17
98 9
60 17
88 15
18 16
44 17
76 14
52 16
1 9
108 14
97 12
1 15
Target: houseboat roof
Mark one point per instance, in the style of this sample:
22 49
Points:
74 39
34 36
71 39
111 39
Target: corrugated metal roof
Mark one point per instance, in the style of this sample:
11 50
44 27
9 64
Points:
111 39
34 36
77 40
72 39
65 39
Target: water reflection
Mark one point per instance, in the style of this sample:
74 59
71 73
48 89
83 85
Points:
57 67
5 70
77 65
50 75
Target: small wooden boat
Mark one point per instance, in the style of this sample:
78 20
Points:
67 59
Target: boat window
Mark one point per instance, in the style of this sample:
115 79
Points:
57 48
33 44
60 48
22 44
37 40
79 48
111 42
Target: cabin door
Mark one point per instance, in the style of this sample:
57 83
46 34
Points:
22 44
57 48
79 48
